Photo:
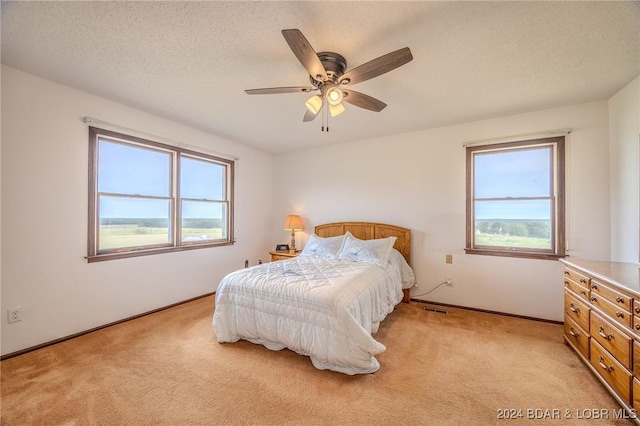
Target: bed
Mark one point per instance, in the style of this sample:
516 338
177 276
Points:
327 302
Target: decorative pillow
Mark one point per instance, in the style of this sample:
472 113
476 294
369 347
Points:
327 248
371 251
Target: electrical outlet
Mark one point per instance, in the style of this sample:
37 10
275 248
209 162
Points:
14 314
448 258
449 280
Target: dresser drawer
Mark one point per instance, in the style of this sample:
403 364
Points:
636 324
636 359
636 316
575 335
617 313
613 296
282 255
636 395
576 310
611 371
577 277
276 257
578 289
611 338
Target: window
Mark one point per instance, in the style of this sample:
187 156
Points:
515 198
146 197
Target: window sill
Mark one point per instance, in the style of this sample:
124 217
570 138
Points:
515 253
138 253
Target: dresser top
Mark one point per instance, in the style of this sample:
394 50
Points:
624 275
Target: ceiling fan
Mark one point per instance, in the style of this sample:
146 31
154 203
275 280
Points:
329 79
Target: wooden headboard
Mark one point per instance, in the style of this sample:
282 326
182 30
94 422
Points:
369 231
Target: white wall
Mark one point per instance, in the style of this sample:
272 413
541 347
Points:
624 136
44 217
417 180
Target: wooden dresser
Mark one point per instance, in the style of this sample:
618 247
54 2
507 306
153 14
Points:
602 324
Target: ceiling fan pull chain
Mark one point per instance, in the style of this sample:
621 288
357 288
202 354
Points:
326 111
324 116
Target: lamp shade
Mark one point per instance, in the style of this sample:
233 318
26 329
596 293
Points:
314 104
292 223
336 110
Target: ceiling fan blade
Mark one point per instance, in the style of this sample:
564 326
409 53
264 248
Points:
305 54
272 90
376 67
363 101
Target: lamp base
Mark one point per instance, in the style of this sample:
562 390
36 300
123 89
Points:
292 245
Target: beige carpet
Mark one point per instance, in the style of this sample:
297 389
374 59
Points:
168 369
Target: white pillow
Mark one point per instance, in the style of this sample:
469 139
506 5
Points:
370 251
327 248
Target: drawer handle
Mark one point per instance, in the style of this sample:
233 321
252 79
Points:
573 333
567 273
574 309
583 292
637 326
619 299
566 283
594 299
620 314
638 310
594 286
603 365
583 281
604 335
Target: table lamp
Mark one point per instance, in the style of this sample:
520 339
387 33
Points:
293 223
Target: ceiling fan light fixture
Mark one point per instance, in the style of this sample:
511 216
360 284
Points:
336 110
334 96
314 104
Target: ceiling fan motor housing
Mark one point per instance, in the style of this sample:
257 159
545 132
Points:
334 64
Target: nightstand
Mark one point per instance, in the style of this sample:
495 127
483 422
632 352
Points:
282 255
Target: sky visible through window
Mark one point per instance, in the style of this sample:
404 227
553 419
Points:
131 170
518 174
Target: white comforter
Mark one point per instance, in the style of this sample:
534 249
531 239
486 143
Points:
324 308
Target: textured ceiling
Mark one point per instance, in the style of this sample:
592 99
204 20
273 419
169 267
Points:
191 61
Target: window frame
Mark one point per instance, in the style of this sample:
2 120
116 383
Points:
557 180
175 199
